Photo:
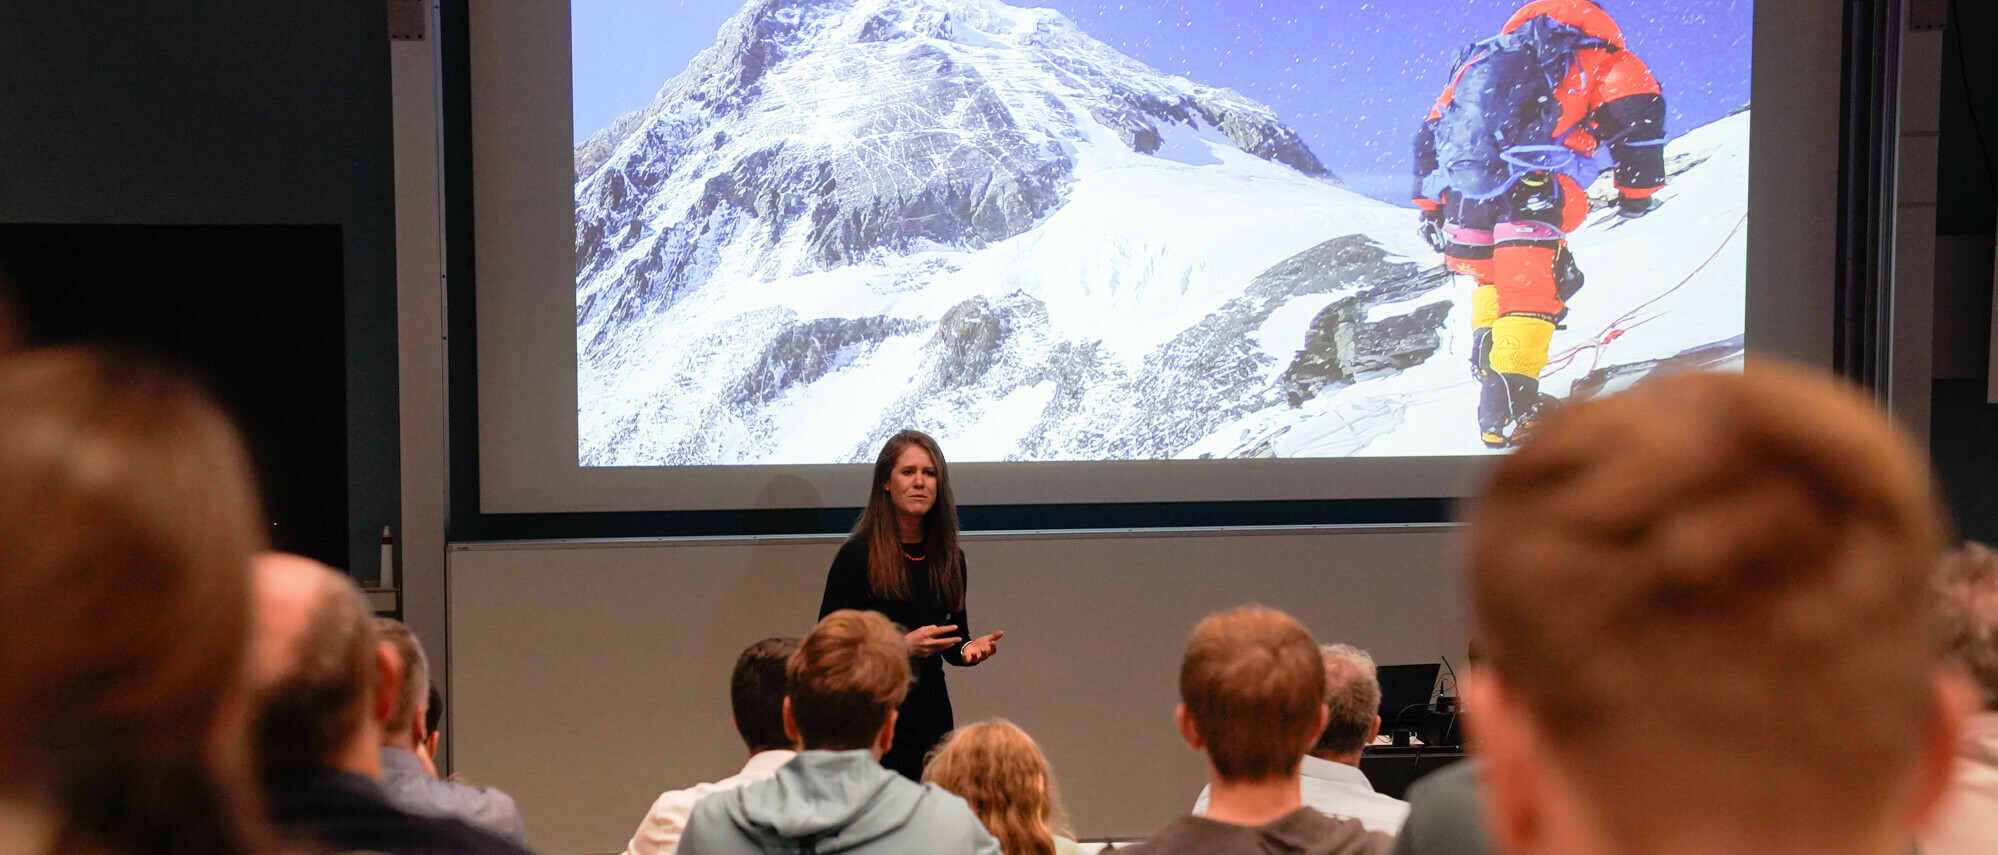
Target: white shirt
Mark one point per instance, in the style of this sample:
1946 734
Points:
1341 792
1967 823
660 833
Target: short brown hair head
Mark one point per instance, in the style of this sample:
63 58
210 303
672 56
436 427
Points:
1967 581
849 673
1352 698
318 702
128 515
1253 683
756 693
1721 578
999 770
433 716
411 693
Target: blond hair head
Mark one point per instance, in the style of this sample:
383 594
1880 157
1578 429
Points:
1967 581
996 767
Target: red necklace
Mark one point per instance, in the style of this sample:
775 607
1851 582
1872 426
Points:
905 554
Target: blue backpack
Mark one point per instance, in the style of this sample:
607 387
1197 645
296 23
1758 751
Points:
1500 121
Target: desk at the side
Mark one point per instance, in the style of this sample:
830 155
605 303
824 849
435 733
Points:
1392 768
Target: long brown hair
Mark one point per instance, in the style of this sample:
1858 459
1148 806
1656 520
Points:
887 575
996 768
128 518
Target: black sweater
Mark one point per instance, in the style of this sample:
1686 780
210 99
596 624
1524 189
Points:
925 713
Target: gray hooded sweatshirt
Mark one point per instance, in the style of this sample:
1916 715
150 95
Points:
835 803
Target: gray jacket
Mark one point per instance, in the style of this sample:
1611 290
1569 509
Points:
413 790
833 803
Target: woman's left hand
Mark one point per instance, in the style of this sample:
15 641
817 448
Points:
982 648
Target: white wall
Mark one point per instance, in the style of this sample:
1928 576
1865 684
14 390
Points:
589 676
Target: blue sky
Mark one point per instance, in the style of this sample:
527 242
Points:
1354 77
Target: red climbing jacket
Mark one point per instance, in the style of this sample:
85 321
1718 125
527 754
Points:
1607 94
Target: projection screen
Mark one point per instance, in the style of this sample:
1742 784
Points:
1117 252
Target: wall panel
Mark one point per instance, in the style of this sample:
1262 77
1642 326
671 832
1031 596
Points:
588 676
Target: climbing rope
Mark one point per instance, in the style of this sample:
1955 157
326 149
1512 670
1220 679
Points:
1629 320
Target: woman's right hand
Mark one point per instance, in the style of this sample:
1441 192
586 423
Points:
932 640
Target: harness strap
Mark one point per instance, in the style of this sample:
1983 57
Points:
1526 230
1467 236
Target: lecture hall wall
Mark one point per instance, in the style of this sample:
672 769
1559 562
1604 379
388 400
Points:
223 112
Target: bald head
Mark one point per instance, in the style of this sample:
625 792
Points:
315 662
288 590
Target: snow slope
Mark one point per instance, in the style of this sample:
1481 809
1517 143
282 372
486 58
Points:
1669 283
855 216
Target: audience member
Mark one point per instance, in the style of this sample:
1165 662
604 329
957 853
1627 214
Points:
1445 816
844 683
326 684
997 769
127 514
756 692
409 777
433 728
1329 778
1705 610
1968 821
1252 697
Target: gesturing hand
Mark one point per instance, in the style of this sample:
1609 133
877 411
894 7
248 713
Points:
982 648
932 640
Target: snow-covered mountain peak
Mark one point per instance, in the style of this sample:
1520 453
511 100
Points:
817 134
1000 40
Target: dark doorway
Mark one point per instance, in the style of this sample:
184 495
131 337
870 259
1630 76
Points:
255 312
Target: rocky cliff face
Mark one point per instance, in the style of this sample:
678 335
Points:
1218 370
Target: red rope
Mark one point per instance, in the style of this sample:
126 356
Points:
1624 324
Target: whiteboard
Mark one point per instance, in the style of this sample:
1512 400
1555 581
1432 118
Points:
590 676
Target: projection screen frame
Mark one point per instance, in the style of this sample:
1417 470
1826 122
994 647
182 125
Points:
508 162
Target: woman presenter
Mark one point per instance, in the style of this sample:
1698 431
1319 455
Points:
902 561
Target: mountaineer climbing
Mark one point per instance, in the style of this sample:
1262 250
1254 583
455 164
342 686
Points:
1501 167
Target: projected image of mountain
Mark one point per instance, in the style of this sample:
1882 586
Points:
849 217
